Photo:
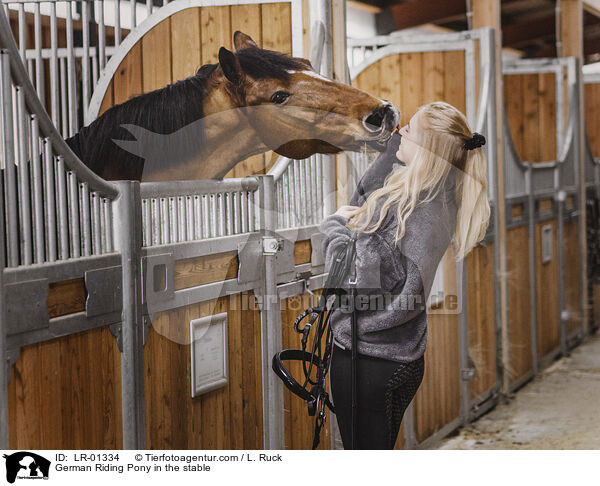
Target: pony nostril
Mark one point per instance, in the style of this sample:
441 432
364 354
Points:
374 121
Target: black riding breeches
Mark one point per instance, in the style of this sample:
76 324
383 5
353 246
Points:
385 389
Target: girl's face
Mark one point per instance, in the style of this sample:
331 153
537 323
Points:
408 148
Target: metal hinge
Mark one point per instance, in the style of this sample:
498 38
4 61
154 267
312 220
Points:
271 245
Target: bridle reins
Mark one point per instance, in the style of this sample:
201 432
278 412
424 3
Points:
314 391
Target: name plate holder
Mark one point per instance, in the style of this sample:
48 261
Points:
208 351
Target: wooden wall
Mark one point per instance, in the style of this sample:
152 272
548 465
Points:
66 394
592 123
409 81
531 109
175 49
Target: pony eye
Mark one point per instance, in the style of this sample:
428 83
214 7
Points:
279 97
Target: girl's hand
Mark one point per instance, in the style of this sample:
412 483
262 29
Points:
347 211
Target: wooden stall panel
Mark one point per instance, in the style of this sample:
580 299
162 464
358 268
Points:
572 281
437 402
229 417
481 317
548 325
519 303
66 394
592 116
531 111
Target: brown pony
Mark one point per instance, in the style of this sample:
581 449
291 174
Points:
252 101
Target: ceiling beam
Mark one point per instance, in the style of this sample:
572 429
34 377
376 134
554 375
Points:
521 32
412 13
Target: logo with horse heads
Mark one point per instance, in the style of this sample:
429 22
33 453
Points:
26 465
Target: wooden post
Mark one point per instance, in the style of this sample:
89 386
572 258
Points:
570 43
486 13
340 73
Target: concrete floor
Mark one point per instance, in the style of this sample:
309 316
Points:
558 409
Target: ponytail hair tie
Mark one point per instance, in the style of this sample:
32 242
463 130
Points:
477 141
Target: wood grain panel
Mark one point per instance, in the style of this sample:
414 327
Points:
547 115
572 282
437 402
548 324
519 303
66 297
156 49
66 394
128 78
531 124
302 251
481 318
185 43
191 272
592 116
227 418
513 100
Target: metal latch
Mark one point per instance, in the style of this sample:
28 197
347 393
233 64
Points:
271 245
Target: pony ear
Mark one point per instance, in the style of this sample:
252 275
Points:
231 66
242 41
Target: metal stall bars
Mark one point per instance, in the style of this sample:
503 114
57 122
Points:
527 184
185 223
71 43
58 224
592 173
477 46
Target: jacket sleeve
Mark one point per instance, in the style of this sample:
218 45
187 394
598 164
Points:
377 266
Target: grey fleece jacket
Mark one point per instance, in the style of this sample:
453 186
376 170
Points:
393 281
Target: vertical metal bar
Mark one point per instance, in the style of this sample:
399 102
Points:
229 216
128 221
148 8
221 213
61 194
24 194
95 73
293 190
63 98
132 4
97 224
181 219
244 211
8 155
251 212
85 218
101 37
286 199
71 93
271 334
147 226
73 199
54 89
85 58
39 66
532 272
319 186
4 362
189 212
50 201
213 215
107 211
164 222
197 218
117 4
38 192
172 220
22 32
236 213
156 227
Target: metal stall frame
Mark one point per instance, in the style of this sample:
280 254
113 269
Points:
481 114
528 182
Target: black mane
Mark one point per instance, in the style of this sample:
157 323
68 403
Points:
163 111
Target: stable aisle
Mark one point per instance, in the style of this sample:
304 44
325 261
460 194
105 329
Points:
558 409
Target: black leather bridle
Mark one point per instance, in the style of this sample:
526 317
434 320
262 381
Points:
314 391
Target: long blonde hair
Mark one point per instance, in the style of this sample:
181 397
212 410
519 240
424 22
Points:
441 134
